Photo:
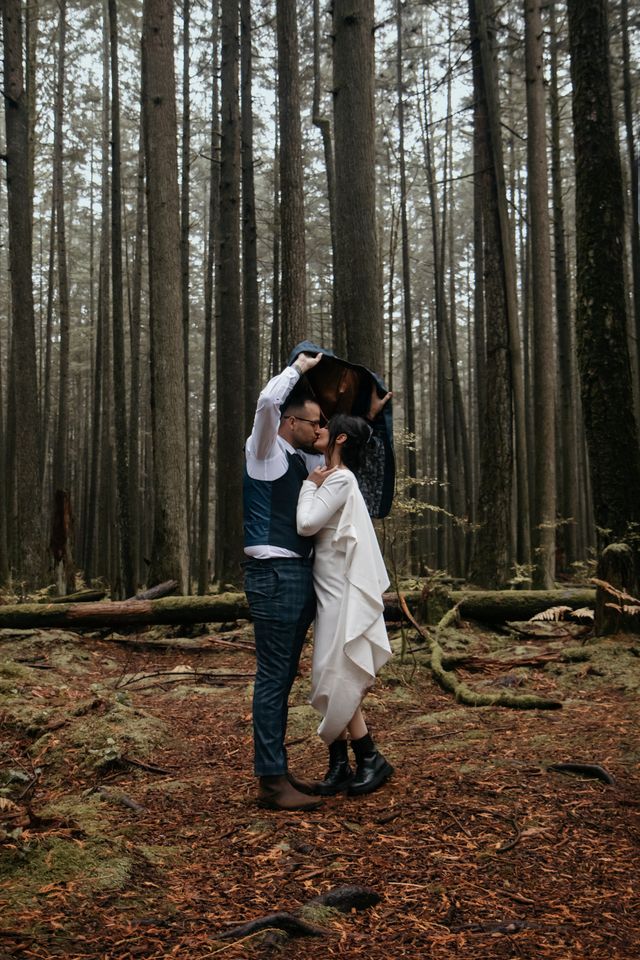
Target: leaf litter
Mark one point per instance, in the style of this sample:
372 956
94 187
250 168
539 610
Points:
128 826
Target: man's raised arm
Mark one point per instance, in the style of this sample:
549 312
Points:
266 422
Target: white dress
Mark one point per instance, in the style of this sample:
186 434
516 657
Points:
350 638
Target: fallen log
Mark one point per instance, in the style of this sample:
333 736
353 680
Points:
215 608
89 616
81 596
160 590
497 606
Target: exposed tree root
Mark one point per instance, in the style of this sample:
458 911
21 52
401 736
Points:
293 926
585 770
344 899
460 690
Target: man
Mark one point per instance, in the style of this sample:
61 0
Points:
278 569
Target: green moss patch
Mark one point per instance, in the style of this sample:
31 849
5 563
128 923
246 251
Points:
25 874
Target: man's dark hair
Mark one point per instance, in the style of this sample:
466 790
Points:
296 400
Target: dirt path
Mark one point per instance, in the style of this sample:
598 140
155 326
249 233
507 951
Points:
475 848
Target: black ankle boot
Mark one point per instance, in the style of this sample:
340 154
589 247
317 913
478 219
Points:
372 770
339 774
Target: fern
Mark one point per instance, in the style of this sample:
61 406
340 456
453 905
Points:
629 610
584 613
552 613
618 594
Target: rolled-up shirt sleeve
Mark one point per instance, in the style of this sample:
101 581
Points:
316 505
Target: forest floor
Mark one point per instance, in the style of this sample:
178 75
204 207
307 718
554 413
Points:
129 828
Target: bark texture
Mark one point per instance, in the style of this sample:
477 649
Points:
605 370
169 551
358 300
26 453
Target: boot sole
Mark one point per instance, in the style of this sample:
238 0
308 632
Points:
382 777
333 791
272 805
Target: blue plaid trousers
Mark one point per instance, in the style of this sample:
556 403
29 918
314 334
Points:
282 605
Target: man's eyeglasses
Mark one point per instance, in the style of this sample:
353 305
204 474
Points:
314 423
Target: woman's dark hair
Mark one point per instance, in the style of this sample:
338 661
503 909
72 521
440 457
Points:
358 434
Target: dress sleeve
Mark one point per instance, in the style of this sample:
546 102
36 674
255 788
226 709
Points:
316 505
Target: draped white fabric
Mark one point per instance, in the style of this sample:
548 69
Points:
350 638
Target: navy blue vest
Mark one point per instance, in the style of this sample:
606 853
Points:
270 509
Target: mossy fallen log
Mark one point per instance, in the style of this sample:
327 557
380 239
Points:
215 608
89 616
497 606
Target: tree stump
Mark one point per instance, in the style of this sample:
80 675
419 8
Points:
617 568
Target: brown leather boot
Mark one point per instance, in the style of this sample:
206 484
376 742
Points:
303 786
276 793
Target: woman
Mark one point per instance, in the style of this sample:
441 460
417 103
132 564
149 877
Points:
350 639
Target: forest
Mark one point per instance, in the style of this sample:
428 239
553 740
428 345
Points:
444 192
460 221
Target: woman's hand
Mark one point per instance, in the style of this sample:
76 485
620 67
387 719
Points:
320 474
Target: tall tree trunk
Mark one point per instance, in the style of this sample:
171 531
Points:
169 559
96 527
567 395
204 566
276 337
185 201
62 548
490 565
409 385
324 126
135 497
486 25
293 320
543 338
28 525
127 584
357 257
603 354
628 93
229 339
250 296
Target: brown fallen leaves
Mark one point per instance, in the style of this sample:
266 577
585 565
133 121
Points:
475 848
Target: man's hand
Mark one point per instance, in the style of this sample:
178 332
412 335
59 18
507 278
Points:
377 403
304 362
320 474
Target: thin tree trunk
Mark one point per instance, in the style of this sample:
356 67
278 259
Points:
136 515
324 126
293 319
127 585
543 333
60 467
229 339
204 566
97 520
274 366
409 385
185 187
567 395
250 297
